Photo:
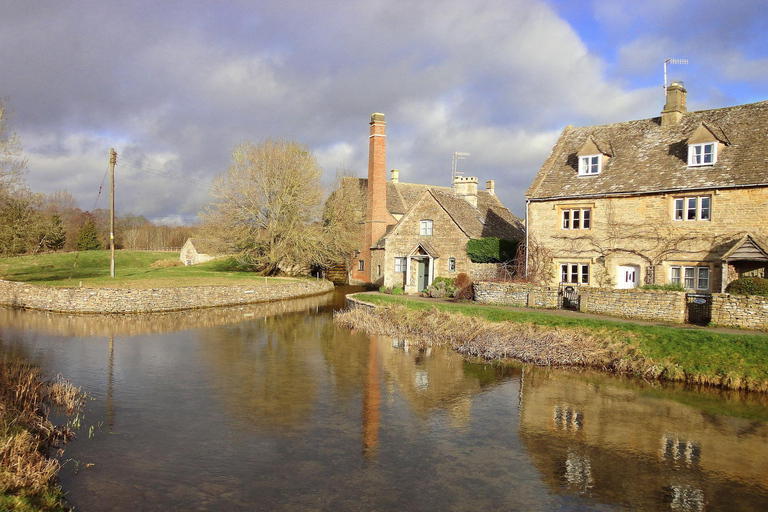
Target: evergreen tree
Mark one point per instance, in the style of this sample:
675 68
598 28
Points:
87 237
56 236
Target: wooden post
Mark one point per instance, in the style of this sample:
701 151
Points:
112 161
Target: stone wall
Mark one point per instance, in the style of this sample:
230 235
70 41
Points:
655 305
745 311
107 300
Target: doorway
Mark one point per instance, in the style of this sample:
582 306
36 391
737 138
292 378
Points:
423 275
628 276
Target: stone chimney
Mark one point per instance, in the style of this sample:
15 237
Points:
675 106
395 176
490 187
466 188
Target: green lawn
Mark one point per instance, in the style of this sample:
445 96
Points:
712 356
133 269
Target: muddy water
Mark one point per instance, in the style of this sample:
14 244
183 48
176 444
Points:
275 408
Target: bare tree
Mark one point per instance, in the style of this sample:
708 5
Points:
12 162
268 208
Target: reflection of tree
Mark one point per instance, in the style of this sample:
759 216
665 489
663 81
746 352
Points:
265 368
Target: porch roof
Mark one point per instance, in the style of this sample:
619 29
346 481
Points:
747 248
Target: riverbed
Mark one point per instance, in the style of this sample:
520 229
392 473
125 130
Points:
274 407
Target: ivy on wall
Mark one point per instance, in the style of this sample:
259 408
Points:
491 250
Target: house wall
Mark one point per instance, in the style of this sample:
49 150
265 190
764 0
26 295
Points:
447 240
645 225
190 256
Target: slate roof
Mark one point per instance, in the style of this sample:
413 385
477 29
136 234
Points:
489 219
647 158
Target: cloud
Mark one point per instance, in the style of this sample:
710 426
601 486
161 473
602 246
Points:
175 85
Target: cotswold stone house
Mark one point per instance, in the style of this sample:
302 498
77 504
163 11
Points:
414 233
681 198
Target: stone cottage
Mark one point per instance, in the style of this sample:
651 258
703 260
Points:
681 198
414 233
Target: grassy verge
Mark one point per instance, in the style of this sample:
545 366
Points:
27 437
133 269
737 361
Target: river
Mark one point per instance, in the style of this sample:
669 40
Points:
274 407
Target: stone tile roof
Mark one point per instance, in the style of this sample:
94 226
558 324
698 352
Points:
646 157
206 246
490 218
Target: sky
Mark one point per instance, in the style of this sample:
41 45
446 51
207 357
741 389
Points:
174 86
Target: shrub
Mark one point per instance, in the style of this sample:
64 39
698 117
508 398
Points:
441 287
491 250
166 264
749 286
397 290
462 281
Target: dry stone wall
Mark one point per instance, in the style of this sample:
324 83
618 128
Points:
107 300
745 311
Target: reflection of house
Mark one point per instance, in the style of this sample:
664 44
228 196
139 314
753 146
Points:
414 233
679 198
619 447
198 250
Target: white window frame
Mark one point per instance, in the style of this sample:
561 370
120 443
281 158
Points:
690 277
360 265
590 165
574 273
576 218
451 264
688 208
702 154
400 263
426 227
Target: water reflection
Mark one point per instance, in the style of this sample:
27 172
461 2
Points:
615 446
275 407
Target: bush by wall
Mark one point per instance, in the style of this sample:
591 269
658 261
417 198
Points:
749 286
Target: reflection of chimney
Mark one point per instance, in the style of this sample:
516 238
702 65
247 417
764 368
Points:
466 187
371 401
490 187
675 106
395 176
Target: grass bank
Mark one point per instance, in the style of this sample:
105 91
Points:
133 269
736 361
28 472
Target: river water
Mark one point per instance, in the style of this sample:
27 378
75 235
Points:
274 407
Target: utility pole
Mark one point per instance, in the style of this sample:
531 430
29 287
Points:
112 161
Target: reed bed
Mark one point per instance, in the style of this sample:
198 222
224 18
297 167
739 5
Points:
474 337
28 438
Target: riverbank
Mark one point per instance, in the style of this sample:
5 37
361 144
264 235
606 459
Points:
28 470
700 356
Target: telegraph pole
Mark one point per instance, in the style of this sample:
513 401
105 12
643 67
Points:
112 161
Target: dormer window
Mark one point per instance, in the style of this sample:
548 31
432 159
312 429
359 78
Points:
702 154
590 165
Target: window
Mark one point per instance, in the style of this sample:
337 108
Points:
360 264
575 273
378 270
589 165
693 208
426 228
693 278
702 154
399 265
451 264
577 218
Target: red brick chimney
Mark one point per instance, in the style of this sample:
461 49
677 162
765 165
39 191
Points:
377 217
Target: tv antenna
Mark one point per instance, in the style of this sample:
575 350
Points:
455 166
671 61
